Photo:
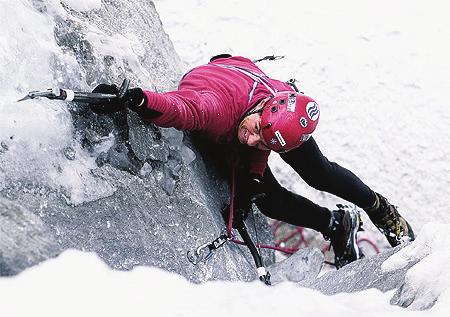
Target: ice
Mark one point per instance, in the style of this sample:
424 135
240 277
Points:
174 137
69 153
374 79
37 135
168 182
187 155
146 169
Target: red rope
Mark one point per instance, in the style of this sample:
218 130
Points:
232 188
370 242
275 226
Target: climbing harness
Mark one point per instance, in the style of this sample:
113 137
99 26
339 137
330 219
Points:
257 79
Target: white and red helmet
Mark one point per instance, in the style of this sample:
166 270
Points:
287 120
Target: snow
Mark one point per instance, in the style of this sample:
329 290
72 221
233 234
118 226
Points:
379 70
78 283
427 280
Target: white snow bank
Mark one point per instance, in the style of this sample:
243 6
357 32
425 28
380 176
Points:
78 283
429 279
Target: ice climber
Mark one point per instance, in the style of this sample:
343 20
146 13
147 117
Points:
231 101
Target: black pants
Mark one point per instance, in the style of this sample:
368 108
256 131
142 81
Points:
315 169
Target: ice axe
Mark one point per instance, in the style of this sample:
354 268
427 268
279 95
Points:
78 96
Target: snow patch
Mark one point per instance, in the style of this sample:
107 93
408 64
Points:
429 278
101 291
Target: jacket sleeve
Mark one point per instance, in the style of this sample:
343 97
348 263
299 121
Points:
182 110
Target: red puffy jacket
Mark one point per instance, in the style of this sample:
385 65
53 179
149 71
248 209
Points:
212 99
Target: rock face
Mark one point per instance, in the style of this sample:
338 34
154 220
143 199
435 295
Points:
360 275
25 241
302 267
151 195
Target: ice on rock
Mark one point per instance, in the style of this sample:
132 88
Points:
168 182
174 137
187 155
429 277
146 169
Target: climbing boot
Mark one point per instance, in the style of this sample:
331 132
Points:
345 223
388 220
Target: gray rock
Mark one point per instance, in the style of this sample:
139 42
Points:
25 239
361 275
302 267
121 157
146 140
148 217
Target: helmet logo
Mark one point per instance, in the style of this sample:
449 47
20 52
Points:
303 122
273 141
280 138
312 109
291 102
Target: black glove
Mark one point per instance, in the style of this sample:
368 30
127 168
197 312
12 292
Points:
134 99
248 190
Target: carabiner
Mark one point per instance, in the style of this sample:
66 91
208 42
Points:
201 254
205 251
